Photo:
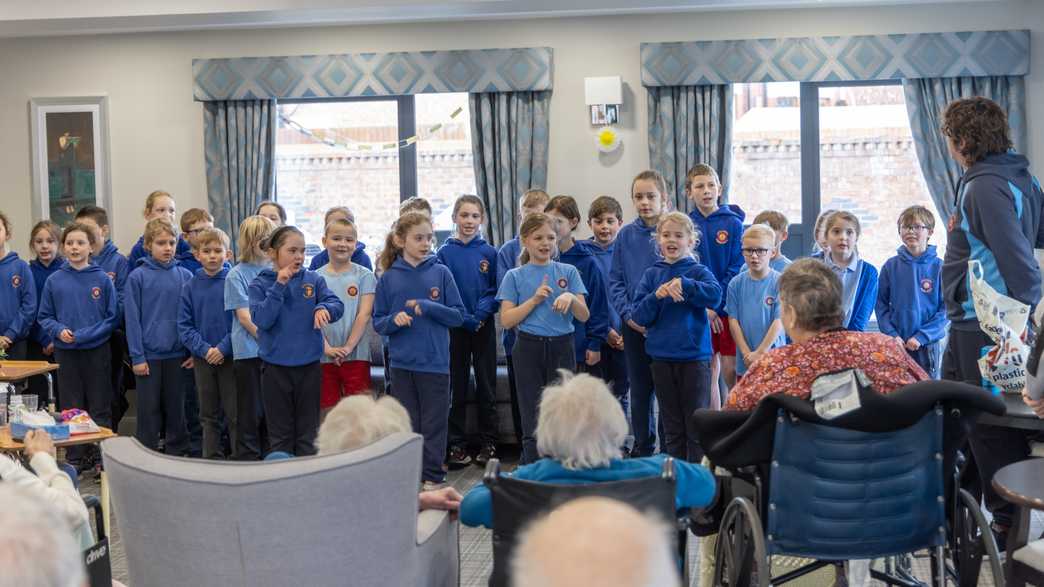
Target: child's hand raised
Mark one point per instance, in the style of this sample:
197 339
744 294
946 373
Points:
543 291
322 318
413 305
674 289
285 274
563 303
402 320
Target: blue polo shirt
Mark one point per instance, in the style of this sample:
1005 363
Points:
519 285
754 303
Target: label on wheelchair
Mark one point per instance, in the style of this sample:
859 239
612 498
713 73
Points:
836 394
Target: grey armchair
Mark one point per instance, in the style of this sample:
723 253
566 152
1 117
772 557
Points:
344 519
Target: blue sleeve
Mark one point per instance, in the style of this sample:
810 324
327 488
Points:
95 334
597 325
122 270
137 252
326 298
648 309
576 284
486 305
702 289
314 263
735 262
225 346
132 319
504 263
935 328
508 291
266 305
26 315
476 509
866 297
48 315
236 294
883 308
695 487
187 331
450 314
618 285
361 258
383 313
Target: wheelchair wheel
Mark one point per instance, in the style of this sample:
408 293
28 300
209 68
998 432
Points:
972 539
740 558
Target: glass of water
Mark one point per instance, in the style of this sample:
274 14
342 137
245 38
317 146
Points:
31 401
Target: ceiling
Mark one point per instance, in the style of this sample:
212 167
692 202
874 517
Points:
64 17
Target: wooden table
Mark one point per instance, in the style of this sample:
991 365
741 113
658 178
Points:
18 370
9 445
1021 484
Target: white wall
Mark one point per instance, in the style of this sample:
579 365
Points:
157 130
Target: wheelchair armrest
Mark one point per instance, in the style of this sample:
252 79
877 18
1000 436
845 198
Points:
94 504
492 471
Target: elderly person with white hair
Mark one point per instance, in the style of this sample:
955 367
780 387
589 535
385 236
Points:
39 546
579 432
359 420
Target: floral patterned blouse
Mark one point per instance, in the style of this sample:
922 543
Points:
793 368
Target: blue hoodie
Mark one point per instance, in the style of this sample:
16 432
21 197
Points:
590 335
677 331
423 345
474 268
863 298
633 253
359 257
189 261
721 244
150 310
203 321
997 221
909 297
40 275
138 251
507 259
117 267
18 301
285 316
83 301
605 261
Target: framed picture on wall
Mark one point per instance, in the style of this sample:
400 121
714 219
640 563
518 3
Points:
70 155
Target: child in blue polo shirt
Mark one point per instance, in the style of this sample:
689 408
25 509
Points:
205 328
674 296
290 305
909 296
753 306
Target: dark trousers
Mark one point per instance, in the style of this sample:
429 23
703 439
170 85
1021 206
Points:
537 361
478 351
516 414
248 436
993 447
681 389
216 385
38 384
426 396
161 405
192 424
291 398
117 350
84 379
613 370
643 420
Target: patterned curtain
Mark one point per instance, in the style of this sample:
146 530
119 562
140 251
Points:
926 99
509 138
239 138
689 125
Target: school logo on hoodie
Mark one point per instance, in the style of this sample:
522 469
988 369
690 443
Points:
433 293
722 237
96 292
926 285
309 290
484 266
352 291
16 281
562 282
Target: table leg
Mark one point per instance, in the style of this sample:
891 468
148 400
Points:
105 502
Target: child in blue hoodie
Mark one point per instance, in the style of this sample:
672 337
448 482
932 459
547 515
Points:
909 295
359 257
507 259
634 252
78 312
45 240
720 229
158 359
473 345
17 297
858 278
589 336
604 217
416 305
108 257
542 297
205 328
674 297
290 305
158 204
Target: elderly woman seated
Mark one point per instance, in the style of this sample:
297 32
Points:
810 294
359 420
579 432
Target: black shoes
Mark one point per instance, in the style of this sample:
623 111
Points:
458 457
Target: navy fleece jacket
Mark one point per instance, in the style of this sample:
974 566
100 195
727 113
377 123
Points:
474 268
150 310
507 259
909 297
605 261
590 335
997 222
83 301
203 321
116 267
285 316
721 244
18 300
424 344
359 257
40 275
634 252
138 251
677 331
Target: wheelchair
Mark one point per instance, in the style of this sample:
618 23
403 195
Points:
879 482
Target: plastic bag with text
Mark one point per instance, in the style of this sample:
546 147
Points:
1003 319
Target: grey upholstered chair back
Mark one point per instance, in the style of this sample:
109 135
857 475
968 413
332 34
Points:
344 519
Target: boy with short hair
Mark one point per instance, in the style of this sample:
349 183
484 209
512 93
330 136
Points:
909 293
205 329
605 217
753 300
359 257
779 224
193 222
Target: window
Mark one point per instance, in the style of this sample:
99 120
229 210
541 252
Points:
354 153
